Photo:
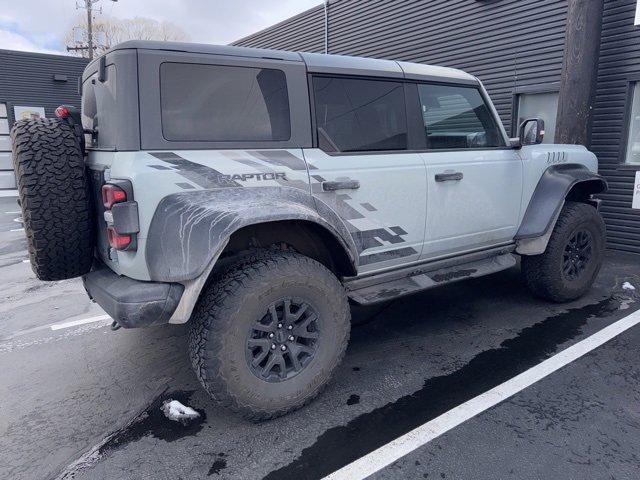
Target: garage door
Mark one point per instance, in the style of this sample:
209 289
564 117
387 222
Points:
7 179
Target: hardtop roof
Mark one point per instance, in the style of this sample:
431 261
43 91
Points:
315 62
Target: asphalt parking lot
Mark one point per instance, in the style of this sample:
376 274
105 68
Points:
81 401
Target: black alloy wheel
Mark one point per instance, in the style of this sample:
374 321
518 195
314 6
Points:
283 341
577 254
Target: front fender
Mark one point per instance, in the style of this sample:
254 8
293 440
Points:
550 194
189 230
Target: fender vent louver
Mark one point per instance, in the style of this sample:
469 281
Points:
557 157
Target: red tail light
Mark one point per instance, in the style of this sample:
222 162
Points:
112 194
117 241
62 112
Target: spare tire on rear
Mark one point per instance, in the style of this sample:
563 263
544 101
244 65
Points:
55 198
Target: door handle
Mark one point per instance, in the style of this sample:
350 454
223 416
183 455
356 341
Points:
343 185
449 177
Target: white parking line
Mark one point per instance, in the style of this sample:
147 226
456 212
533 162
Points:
8 347
75 323
13 213
17 230
398 448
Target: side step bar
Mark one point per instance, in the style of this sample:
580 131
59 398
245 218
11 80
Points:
368 291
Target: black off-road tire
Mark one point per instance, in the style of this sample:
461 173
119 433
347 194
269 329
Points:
544 275
225 315
54 196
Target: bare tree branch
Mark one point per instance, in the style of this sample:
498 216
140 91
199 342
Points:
109 31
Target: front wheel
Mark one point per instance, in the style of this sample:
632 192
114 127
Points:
267 335
572 260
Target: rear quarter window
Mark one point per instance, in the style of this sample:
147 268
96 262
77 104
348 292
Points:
216 103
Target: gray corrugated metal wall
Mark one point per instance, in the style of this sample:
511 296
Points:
619 65
27 79
511 45
303 33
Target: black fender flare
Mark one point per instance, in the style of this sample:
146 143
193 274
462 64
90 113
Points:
189 230
549 196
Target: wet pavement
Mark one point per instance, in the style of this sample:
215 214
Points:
84 402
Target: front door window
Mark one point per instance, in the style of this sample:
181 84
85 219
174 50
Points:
457 117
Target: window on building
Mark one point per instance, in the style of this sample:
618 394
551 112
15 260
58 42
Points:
354 115
215 103
539 105
633 142
457 117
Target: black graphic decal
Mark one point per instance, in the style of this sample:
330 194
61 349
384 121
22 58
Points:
388 255
201 175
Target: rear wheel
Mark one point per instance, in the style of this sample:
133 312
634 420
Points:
267 335
572 260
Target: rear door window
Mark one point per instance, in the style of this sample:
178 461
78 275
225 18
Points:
215 103
457 117
354 115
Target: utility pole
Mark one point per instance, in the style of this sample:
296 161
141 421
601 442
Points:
579 71
88 6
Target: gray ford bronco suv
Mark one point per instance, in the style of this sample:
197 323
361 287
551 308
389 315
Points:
257 194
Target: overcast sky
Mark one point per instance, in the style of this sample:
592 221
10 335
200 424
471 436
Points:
40 25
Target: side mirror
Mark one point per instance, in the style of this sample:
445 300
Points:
531 131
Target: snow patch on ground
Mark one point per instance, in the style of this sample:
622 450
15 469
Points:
178 412
628 286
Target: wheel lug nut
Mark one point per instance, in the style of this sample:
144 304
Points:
283 348
271 335
291 338
290 327
279 325
273 346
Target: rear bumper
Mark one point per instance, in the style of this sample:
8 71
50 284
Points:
132 303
